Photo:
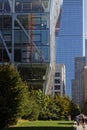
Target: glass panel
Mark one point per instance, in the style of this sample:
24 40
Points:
23 20
1 5
45 37
40 37
1 22
7 32
28 5
36 56
18 6
36 6
45 20
57 74
3 55
57 87
45 53
40 54
34 21
36 38
0 41
5 22
17 55
36 32
6 6
7 38
46 5
57 81
20 37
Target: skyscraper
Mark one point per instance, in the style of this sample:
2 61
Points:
85 84
59 80
27 39
70 41
86 50
77 83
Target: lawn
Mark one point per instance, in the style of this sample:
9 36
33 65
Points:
42 125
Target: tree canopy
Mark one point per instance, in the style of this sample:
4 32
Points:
13 95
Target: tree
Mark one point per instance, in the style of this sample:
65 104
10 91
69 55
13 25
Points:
42 101
65 103
84 109
62 106
75 110
13 95
31 110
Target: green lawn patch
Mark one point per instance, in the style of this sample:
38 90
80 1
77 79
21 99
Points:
42 125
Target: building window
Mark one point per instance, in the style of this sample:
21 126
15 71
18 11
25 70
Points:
17 55
4 6
57 81
57 74
57 87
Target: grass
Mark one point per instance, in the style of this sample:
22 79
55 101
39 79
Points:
42 125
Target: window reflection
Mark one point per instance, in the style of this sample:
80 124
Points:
32 5
4 6
34 21
5 22
31 33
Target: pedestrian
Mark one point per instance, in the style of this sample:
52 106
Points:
83 124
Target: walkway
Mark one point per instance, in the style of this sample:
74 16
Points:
80 127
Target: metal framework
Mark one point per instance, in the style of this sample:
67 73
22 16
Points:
27 36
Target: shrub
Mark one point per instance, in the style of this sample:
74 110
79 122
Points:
13 95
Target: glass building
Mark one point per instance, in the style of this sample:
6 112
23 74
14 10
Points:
77 82
26 38
70 41
86 50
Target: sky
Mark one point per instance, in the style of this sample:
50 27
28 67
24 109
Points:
85 16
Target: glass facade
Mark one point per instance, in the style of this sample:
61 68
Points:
86 50
25 31
77 83
70 41
31 27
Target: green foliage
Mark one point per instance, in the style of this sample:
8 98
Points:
31 110
46 107
17 101
51 107
75 110
13 95
84 109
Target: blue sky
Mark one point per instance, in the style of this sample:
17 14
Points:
85 20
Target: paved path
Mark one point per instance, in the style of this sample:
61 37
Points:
80 127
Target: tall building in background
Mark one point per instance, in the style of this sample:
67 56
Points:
77 83
59 80
27 39
70 41
85 84
86 50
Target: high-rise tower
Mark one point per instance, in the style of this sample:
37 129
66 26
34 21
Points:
27 39
77 83
70 41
